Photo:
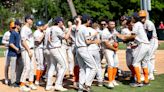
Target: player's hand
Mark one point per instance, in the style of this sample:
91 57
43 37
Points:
30 54
18 51
115 49
97 41
69 24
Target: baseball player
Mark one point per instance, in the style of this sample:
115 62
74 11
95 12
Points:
126 30
38 39
70 49
57 53
85 60
152 36
76 66
94 50
14 52
5 41
110 49
46 52
140 52
27 47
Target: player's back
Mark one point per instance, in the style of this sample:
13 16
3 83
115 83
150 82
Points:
140 32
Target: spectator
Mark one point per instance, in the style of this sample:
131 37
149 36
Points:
161 26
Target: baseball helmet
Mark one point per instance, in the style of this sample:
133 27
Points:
40 23
142 13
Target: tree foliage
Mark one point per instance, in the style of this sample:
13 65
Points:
98 9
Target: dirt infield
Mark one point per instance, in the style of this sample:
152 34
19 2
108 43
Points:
159 67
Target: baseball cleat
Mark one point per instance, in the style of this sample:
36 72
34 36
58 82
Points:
80 90
146 84
32 86
60 88
100 84
48 88
136 84
6 82
151 77
24 89
115 83
110 85
37 83
14 85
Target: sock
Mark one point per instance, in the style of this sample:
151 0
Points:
76 73
114 73
138 75
146 74
38 72
110 74
132 70
41 73
22 84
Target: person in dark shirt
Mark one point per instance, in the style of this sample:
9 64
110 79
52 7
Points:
14 51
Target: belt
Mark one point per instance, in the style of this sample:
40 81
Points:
55 47
81 46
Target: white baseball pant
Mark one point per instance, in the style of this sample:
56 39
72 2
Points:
28 69
59 57
70 59
153 48
86 60
96 55
112 58
47 58
39 58
6 64
129 57
141 55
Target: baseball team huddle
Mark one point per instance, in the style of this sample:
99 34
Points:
78 50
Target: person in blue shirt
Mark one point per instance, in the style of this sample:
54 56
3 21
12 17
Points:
14 51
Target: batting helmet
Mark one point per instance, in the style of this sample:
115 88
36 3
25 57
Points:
142 13
40 23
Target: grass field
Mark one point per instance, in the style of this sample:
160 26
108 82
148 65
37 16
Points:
156 86
123 46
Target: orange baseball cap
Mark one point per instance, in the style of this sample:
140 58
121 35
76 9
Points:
142 13
12 24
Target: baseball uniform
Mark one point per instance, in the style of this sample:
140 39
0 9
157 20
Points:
94 50
5 41
57 53
111 56
149 26
46 52
141 52
85 59
70 54
28 70
129 56
38 49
